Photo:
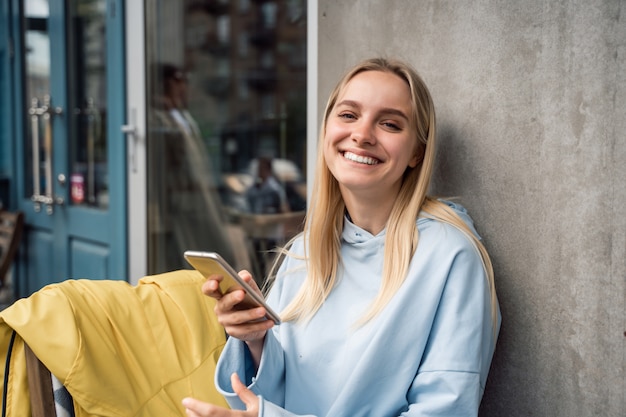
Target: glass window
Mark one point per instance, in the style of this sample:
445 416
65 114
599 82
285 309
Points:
87 147
226 130
89 183
38 172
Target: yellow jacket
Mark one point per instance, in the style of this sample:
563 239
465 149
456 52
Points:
119 350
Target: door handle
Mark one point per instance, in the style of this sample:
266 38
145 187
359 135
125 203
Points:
130 130
37 114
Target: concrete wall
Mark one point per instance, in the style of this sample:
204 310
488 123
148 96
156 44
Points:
531 99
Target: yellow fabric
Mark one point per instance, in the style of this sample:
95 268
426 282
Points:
120 350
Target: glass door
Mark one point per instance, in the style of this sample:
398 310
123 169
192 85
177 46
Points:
226 129
41 112
71 176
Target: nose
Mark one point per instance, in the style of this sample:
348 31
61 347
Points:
363 133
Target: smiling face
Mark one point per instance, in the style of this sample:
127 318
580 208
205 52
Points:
369 140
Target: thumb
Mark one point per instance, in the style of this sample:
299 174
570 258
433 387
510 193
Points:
248 397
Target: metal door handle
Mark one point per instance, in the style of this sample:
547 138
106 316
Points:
44 112
131 131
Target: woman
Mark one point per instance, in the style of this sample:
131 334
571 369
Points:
387 298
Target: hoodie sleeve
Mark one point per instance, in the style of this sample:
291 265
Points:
268 409
451 378
268 384
268 381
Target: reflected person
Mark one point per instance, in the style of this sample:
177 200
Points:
184 205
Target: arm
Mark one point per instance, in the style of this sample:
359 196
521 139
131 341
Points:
264 376
266 380
241 324
267 384
451 378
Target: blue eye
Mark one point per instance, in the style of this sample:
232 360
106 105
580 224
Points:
391 126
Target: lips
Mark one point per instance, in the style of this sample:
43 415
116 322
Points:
360 159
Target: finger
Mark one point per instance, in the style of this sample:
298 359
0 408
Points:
232 303
247 277
191 413
211 286
232 316
249 331
241 323
231 299
199 408
248 397
194 407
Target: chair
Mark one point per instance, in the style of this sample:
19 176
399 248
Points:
11 228
39 386
105 348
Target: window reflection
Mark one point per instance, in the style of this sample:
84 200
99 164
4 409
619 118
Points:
226 129
87 80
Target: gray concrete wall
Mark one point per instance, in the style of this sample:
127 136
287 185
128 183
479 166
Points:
531 99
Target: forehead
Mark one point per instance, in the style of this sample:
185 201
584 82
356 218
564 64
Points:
377 88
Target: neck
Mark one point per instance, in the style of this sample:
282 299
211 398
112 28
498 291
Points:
369 213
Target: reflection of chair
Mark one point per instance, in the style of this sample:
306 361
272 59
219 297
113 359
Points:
11 227
264 225
268 230
119 350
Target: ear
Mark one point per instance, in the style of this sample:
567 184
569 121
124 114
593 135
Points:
419 156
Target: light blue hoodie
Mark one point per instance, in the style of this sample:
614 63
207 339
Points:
426 354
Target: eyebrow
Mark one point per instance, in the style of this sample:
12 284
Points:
384 110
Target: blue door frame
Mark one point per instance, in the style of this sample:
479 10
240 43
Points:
74 241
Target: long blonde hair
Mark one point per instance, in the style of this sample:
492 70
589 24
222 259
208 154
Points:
324 222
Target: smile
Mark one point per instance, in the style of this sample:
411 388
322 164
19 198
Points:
360 159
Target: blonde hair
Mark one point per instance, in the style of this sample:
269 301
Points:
324 222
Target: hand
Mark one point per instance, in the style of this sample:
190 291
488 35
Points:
195 408
247 325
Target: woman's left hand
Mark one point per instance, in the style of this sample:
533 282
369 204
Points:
195 408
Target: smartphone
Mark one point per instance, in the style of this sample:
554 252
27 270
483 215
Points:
211 263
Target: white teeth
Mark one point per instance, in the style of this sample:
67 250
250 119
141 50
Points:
360 159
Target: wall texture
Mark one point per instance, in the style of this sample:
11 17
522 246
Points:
531 99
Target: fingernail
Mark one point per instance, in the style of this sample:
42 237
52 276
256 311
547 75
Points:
185 402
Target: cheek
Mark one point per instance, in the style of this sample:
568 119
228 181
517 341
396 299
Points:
408 151
334 132
420 151
329 150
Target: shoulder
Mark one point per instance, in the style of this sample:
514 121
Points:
450 211
290 275
447 234
297 245
293 257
